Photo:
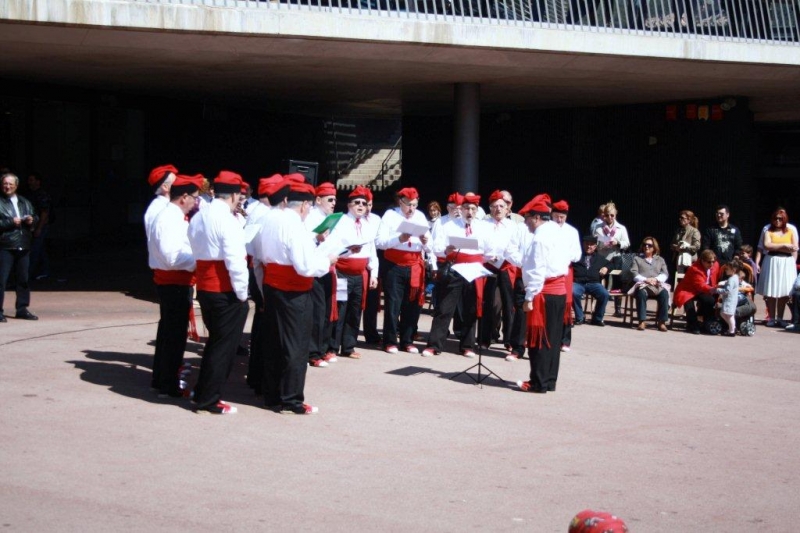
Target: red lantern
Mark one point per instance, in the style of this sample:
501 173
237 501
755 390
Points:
691 111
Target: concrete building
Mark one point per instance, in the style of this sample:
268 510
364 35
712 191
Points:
657 105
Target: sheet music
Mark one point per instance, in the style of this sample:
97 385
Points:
471 271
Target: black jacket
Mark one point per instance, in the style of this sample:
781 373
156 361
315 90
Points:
14 237
580 274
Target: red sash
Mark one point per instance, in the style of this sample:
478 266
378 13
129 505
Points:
568 288
173 277
334 315
508 268
353 267
213 276
537 319
286 278
417 264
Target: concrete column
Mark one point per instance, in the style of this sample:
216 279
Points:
466 136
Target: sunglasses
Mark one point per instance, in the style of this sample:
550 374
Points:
649 245
331 200
409 204
358 202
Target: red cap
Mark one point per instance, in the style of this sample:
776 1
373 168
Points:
496 195
408 192
470 198
301 192
326 189
267 186
589 521
455 198
540 204
159 174
228 182
561 207
360 192
186 184
296 176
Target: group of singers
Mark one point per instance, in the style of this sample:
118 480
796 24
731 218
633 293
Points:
313 273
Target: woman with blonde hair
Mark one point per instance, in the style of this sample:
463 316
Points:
778 270
686 241
612 240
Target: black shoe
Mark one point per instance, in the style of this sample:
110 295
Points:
598 323
579 322
728 334
695 331
26 315
618 314
3 318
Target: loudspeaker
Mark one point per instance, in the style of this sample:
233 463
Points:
306 168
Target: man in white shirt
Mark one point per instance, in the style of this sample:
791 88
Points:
272 193
456 291
173 265
357 269
506 256
545 264
217 241
573 241
324 310
404 276
291 262
160 180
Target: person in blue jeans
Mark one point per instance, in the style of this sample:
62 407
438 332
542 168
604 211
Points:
587 273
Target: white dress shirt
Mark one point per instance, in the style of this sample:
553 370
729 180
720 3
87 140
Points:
168 241
389 237
286 241
546 256
156 206
348 232
216 235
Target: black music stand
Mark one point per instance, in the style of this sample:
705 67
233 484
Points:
479 365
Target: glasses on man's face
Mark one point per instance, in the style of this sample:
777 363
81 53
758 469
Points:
359 202
721 213
331 200
409 204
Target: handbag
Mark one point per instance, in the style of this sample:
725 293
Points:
685 259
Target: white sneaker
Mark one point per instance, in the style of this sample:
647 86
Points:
512 357
565 348
791 327
392 349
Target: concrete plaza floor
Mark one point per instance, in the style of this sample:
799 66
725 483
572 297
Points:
672 432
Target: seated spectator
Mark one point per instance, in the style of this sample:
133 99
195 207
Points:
650 274
698 287
612 240
587 273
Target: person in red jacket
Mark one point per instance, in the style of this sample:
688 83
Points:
697 287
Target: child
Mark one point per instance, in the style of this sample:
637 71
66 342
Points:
745 255
732 273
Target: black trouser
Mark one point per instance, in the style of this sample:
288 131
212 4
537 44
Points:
224 316
175 301
519 325
456 293
287 326
705 305
321 302
400 314
18 261
545 360
346 331
370 321
491 318
255 365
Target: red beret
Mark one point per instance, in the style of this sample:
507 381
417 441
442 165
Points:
470 198
159 173
540 204
267 186
228 182
408 192
296 176
360 192
561 207
455 198
589 521
301 192
496 195
187 184
326 189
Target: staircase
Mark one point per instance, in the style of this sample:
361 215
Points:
368 154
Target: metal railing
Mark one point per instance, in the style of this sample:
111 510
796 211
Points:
397 148
763 21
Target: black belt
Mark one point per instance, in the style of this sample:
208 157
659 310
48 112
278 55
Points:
779 254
